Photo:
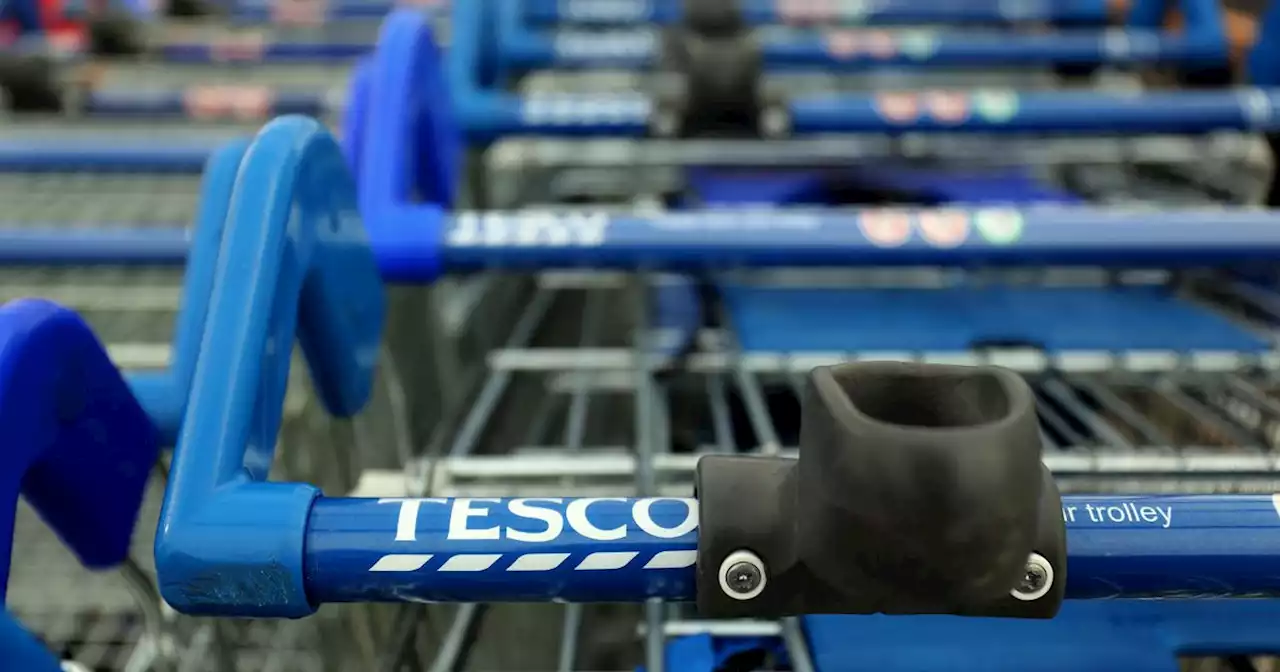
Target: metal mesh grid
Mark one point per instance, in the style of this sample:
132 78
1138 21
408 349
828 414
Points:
92 199
567 411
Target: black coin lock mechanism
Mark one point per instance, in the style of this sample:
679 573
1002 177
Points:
919 490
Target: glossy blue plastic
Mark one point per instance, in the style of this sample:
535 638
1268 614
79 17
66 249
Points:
413 139
622 12
164 393
78 446
355 116
294 261
21 651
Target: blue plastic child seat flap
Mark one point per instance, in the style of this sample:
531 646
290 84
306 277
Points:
776 319
77 444
1139 635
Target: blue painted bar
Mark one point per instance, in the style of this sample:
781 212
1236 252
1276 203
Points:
618 12
1049 111
628 550
854 50
733 238
105 155
274 52
471 550
991 111
342 11
178 104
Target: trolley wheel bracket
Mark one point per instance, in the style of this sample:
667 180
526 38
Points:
919 490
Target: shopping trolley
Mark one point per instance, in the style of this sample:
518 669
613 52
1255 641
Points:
1076 422
232 544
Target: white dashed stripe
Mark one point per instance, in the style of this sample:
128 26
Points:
538 562
672 560
606 560
469 563
400 563
545 562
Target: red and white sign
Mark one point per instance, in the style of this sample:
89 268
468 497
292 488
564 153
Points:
944 228
238 47
898 108
304 13
947 107
885 228
218 103
806 12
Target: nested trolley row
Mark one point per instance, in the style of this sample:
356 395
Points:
1167 384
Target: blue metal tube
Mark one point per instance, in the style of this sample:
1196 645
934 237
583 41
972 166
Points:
432 240
756 12
861 49
627 550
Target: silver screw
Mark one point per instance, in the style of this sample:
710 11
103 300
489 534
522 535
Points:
742 575
1037 579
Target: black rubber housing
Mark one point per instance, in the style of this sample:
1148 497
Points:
719 95
919 490
30 83
713 17
116 33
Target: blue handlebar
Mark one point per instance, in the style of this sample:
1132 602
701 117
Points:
615 12
417 243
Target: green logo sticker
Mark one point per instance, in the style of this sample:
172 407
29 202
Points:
917 44
996 107
999 227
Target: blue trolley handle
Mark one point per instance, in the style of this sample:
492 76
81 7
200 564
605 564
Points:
758 12
895 506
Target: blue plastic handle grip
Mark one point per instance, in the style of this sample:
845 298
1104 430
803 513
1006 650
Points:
616 12
294 261
629 550
856 50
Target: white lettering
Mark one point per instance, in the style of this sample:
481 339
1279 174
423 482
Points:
462 510
524 509
576 513
407 521
528 229
644 520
